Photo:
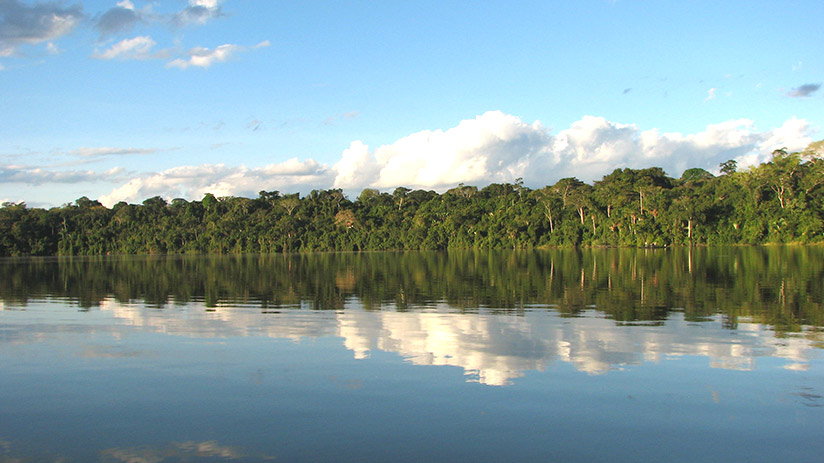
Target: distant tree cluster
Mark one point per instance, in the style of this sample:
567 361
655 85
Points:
778 201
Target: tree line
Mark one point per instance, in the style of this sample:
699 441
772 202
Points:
779 201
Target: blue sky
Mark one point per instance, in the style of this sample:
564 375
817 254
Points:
131 99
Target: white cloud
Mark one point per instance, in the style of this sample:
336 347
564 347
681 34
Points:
710 95
204 57
594 141
198 12
138 48
794 135
493 147
141 48
295 167
496 147
39 176
221 180
124 16
356 164
209 4
676 152
263 44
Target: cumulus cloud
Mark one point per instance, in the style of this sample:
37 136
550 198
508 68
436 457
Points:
356 165
794 135
677 152
804 91
124 16
198 12
138 48
221 180
204 57
41 22
121 18
496 147
493 147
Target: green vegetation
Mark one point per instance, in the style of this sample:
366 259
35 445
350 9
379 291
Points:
780 201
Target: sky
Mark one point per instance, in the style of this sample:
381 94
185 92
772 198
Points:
126 100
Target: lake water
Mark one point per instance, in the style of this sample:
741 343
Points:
677 355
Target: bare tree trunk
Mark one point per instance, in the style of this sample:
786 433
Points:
548 214
641 196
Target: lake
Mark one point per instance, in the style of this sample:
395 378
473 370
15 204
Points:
619 355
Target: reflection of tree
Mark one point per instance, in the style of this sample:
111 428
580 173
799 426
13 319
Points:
496 315
777 286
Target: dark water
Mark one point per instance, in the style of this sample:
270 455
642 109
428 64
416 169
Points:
593 355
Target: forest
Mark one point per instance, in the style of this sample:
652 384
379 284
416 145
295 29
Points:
779 201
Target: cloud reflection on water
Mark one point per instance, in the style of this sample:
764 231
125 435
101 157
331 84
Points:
174 451
177 451
492 349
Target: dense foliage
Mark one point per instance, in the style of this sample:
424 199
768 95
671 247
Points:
779 201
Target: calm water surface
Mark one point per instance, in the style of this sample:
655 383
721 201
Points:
594 355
